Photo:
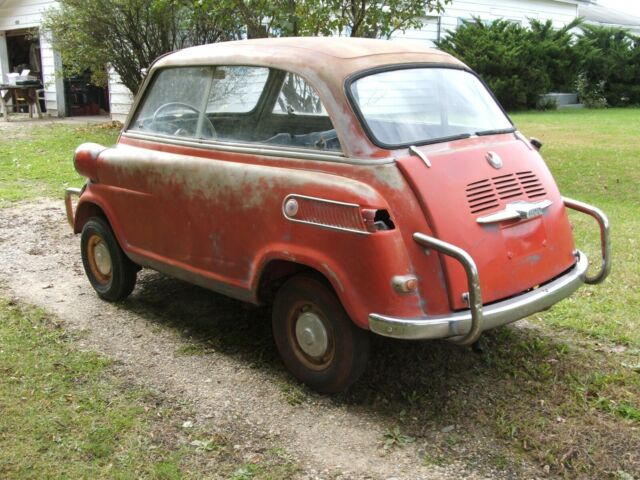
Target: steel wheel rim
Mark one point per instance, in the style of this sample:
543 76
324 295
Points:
99 258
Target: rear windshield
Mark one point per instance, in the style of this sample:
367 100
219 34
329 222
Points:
414 106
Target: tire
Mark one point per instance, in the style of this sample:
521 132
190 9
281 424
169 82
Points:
111 273
318 342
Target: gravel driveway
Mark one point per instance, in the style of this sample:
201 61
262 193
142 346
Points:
237 380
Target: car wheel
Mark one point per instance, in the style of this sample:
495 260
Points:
111 273
317 340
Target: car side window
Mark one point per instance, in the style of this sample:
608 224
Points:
298 97
174 101
238 104
299 118
236 89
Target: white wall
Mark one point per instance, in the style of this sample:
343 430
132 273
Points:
19 14
560 12
120 97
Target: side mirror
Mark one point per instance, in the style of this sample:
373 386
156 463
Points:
537 144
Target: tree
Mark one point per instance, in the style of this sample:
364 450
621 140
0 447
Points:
130 34
355 18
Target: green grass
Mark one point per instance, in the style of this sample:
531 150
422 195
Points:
68 414
561 398
594 155
40 163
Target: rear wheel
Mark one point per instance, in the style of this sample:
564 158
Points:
111 273
317 340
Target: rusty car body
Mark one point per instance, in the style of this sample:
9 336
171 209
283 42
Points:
359 185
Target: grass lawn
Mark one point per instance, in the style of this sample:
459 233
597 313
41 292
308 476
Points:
69 414
40 163
564 396
594 157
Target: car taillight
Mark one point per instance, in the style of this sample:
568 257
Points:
85 160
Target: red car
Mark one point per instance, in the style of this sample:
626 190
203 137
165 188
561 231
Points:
358 185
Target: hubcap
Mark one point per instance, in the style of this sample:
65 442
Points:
312 335
102 258
99 259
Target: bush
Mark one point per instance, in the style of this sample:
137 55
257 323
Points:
609 65
591 94
518 63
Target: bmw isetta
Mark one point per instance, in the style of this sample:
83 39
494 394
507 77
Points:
357 185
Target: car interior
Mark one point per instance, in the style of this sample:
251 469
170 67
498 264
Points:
287 112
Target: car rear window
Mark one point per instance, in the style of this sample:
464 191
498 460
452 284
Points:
414 106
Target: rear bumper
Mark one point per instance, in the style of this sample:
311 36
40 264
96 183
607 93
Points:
465 327
459 324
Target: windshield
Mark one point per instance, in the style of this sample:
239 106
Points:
426 105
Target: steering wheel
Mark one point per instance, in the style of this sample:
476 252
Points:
180 131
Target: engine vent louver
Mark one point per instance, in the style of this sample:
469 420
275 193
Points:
491 192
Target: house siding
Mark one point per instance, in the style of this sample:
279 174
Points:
20 14
560 13
120 97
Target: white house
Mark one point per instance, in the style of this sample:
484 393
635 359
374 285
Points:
19 21
22 42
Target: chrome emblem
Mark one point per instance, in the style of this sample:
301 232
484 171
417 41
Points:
517 211
494 160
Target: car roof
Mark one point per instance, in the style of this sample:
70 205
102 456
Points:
342 55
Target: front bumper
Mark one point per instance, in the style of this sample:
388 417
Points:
500 313
465 327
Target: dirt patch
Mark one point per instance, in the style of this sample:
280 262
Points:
235 376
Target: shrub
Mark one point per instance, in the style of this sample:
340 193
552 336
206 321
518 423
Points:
519 63
591 93
610 64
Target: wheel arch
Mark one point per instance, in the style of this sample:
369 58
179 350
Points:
84 212
282 263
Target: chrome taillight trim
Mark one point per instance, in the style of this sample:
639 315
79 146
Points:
354 206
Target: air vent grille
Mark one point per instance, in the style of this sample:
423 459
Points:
491 192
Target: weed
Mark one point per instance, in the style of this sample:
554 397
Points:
395 438
190 350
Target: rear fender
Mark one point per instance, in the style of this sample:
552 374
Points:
360 291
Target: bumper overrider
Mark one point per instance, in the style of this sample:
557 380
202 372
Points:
465 327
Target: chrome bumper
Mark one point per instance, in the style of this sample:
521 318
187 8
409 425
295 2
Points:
68 205
494 315
465 327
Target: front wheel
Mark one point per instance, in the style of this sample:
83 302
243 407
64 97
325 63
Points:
111 273
316 339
